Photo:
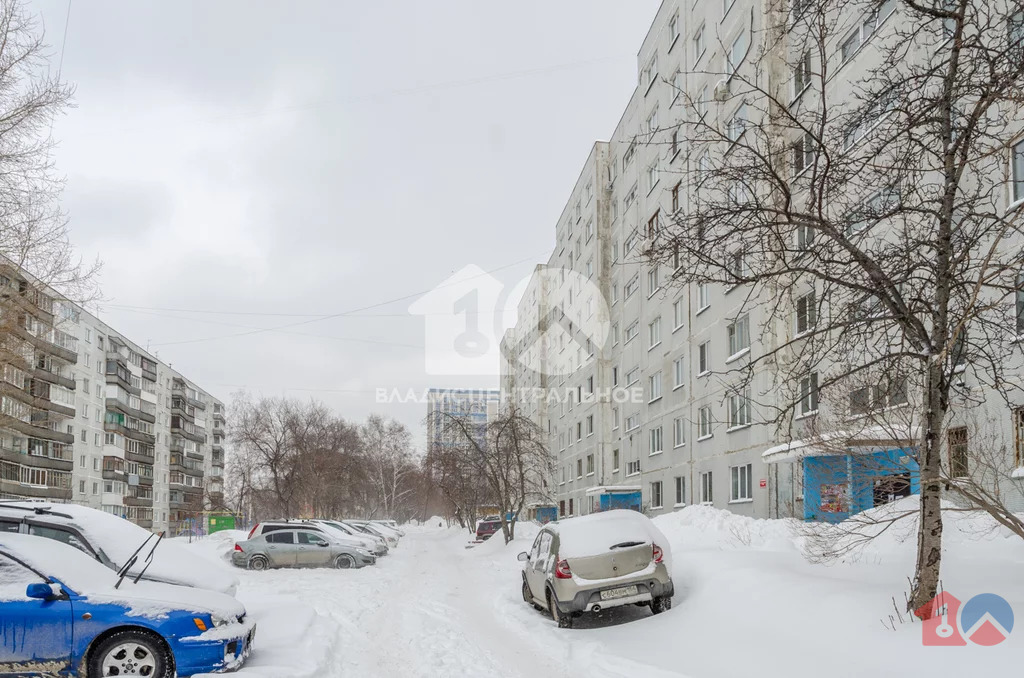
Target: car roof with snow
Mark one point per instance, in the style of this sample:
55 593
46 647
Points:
119 538
595 533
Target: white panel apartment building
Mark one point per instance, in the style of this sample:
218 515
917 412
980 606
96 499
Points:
694 436
92 418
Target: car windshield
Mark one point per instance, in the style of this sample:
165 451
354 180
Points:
54 559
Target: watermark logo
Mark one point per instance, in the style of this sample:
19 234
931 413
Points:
564 322
986 619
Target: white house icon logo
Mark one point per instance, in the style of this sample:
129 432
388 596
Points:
463 322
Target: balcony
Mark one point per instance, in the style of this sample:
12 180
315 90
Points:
217 416
137 412
192 467
129 500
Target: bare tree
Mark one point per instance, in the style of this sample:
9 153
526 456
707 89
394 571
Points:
262 433
387 449
873 205
510 453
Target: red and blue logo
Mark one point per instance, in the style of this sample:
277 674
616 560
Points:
986 619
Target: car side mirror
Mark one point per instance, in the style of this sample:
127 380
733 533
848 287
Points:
43 591
524 556
322 544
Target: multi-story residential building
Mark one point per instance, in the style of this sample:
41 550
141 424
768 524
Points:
478 405
694 435
92 418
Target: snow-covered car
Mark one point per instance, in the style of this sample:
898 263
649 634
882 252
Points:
64 613
338 532
389 537
298 547
598 561
390 523
112 541
372 542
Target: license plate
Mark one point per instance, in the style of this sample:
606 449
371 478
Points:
611 594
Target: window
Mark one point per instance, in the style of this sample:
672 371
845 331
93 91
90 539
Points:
579 431
678 314
654 386
653 283
737 266
704 423
615 460
680 490
632 467
742 489
702 103
590 464
1018 437
1015 36
673 29
656 495
632 422
737 124
654 333
739 408
809 394
850 45
737 51
806 313
85 411
698 44
958 452
803 153
1018 171
678 87
675 200
590 424
655 441
579 468
310 539
652 181
652 122
739 335
704 358
615 418
631 286
590 267
804 237
632 330
84 436
677 373
281 537
802 74
588 231
650 72
632 376
678 432
706 496
703 297
1020 303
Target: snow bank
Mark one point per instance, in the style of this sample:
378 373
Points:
707 527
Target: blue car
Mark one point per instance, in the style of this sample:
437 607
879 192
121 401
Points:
63 613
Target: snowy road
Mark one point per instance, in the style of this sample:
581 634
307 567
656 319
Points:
747 603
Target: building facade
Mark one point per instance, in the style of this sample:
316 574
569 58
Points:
640 375
92 418
478 405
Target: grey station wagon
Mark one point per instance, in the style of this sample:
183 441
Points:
298 548
595 562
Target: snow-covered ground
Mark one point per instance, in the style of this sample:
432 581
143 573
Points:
747 604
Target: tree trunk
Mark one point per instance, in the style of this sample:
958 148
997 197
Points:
929 535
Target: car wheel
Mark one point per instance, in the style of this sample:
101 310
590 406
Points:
258 563
344 562
527 595
131 653
564 621
660 604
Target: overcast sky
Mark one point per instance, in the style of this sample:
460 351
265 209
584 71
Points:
257 164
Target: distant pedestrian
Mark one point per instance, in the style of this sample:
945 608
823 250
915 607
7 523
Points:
439 524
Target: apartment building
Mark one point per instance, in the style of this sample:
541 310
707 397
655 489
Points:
663 406
478 405
92 418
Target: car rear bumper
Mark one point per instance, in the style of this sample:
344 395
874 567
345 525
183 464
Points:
589 600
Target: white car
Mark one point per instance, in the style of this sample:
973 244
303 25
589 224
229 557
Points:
371 542
371 529
112 541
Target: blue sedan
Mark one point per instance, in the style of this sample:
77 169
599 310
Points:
63 613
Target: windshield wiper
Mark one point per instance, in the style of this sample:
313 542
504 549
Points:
626 544
38 510
123 571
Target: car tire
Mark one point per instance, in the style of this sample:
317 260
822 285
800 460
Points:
344 562
258 563
660 604
527 595
131 653
564 621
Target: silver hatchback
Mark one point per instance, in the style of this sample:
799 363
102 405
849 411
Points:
595 562
298 548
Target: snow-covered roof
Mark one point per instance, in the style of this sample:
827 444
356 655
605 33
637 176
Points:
865 441
612 489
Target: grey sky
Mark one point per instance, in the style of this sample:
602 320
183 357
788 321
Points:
317 157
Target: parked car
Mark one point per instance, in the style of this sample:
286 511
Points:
372 542
338 534
112 541
390 539
392 524
64 613
595 562
299 547
486 528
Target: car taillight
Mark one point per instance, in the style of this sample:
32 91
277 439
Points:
562 570
657 554
253 530
237 547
